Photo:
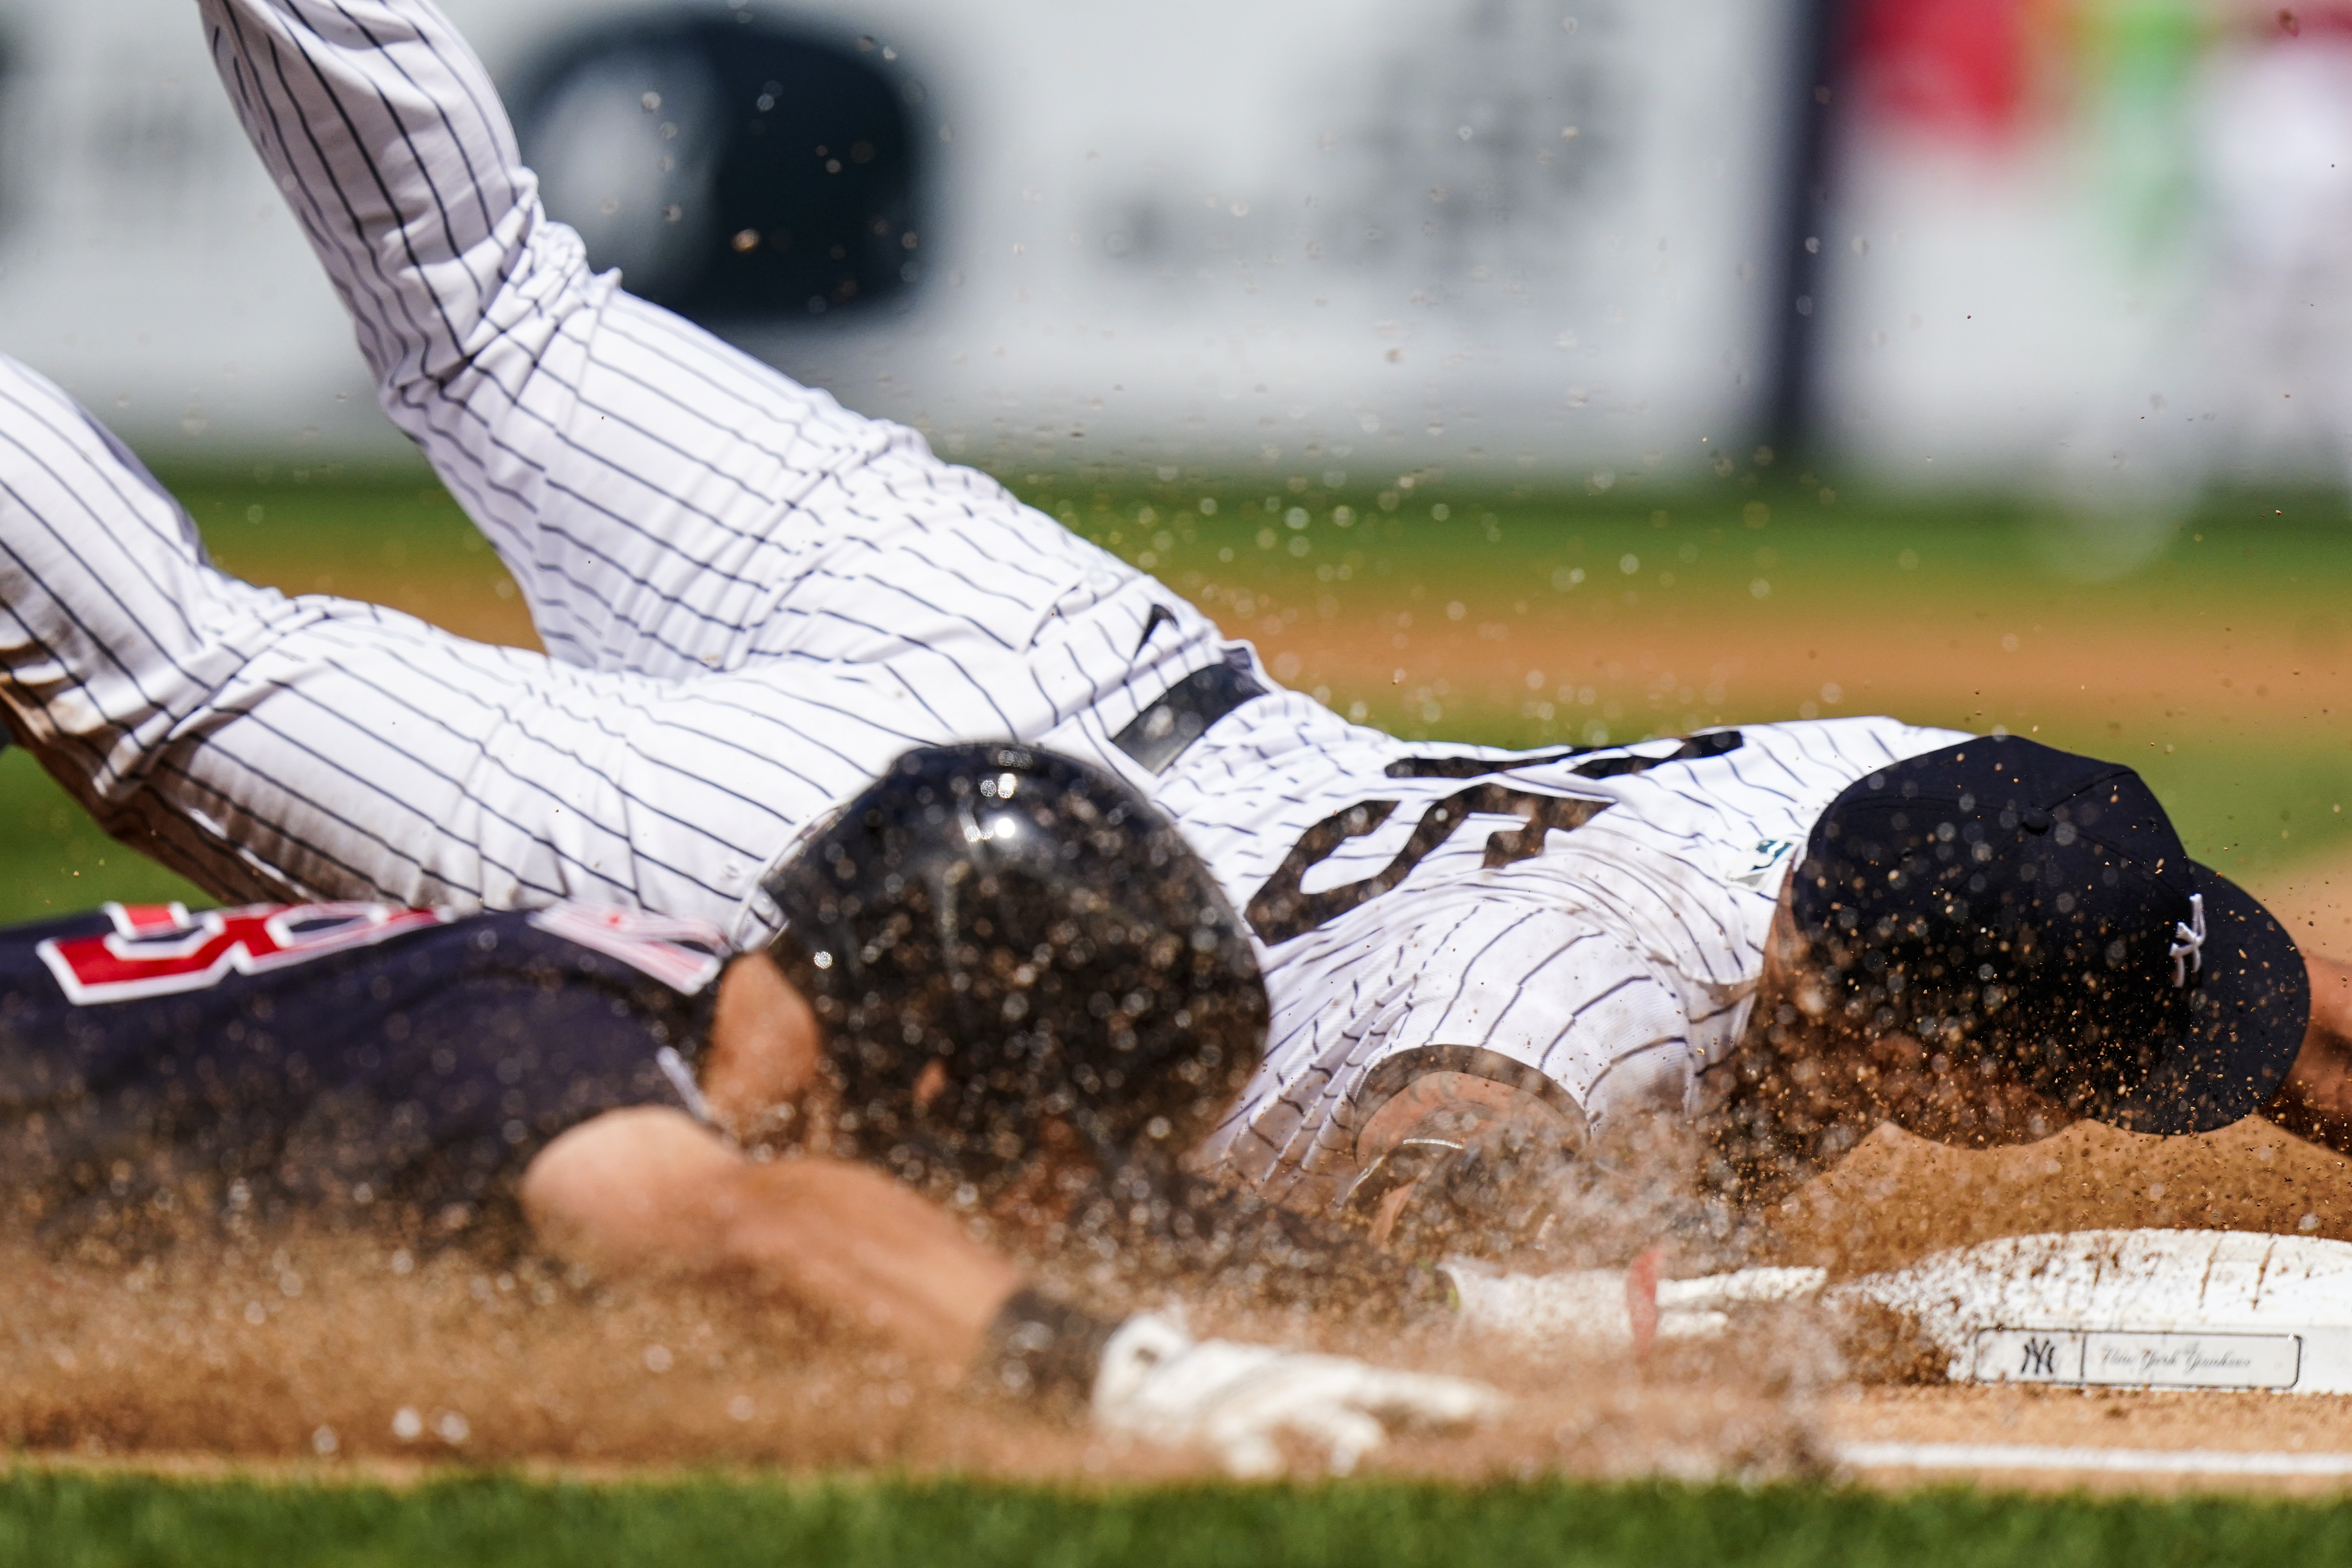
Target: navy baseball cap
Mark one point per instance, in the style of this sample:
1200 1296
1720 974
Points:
2040 905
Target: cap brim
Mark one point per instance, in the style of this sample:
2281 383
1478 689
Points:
2254 1004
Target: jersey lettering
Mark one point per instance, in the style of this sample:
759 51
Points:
157 949
683 955
1284 909
1620 762
149 919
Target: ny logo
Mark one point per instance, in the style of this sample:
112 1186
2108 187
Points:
2041 1359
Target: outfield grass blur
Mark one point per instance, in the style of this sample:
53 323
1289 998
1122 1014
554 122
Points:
64 1520
2217 657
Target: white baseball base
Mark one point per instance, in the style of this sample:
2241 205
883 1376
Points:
2116 1309
2133 1309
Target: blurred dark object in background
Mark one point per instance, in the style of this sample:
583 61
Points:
730 170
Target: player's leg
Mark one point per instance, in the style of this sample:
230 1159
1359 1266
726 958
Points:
172 700
666 503
470 310
110 622
276 747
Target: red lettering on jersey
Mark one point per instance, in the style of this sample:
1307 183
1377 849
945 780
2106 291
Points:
683 955
149 919
157 949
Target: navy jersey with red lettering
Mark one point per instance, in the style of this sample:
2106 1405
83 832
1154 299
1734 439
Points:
354 1058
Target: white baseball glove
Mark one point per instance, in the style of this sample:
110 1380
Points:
1159 1384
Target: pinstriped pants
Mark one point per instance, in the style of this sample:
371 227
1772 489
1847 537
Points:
751 598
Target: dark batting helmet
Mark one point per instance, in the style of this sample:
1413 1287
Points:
1039 931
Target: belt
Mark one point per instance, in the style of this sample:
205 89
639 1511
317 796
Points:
1160 733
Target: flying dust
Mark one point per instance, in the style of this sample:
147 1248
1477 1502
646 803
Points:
334 1349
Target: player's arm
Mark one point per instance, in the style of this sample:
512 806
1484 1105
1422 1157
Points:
1531 1040
2315 1101
649 1192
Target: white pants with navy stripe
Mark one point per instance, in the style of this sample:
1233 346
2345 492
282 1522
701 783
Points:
277 747
751 599
668 504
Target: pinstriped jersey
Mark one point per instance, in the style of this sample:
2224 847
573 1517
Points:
1598 916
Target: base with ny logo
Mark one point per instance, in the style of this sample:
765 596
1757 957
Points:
2083 1308
2132 1309
2136 1360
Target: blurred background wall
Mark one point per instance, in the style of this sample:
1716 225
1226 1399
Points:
2104 244
2096 247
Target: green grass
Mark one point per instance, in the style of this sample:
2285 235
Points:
2291 546
54 861
390 534
64 1521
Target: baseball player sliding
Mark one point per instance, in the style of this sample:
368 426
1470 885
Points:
754 601
598 1083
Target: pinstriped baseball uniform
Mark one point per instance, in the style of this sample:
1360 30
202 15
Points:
1614 945
269 747
667 504
753 600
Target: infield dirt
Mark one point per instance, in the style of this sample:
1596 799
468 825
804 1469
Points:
337 1351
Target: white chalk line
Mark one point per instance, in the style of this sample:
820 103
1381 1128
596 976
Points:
2133 1461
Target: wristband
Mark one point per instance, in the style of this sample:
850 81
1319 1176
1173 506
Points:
1039 1348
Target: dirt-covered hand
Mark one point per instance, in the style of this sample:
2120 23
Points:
1239 1401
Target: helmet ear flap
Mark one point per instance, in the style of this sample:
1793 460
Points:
1035 937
